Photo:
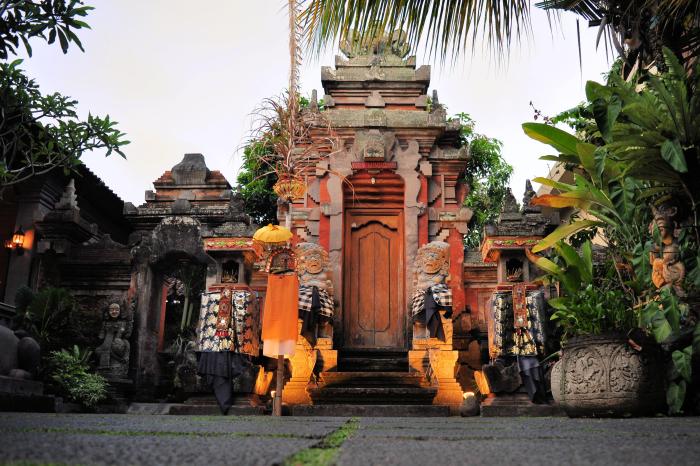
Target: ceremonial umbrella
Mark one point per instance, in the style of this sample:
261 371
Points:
270 237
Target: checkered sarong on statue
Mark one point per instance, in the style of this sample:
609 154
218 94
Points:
441 294
305 297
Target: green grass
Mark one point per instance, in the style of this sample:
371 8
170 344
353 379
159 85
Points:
324 453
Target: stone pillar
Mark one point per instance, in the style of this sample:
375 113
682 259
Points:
302 361
438 362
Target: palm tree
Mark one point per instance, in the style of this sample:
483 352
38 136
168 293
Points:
637 29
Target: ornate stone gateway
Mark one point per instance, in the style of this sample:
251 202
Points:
388 186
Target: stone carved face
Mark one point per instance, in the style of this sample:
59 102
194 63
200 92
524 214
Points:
374 150
434 259
311 259
114 310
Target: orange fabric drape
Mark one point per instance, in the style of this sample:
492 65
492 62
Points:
279 332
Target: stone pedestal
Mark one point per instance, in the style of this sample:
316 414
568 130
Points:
326 356
302 361
437 361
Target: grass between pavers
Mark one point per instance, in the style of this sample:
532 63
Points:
325 452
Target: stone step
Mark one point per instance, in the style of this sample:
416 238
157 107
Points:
517 405
380 379
373 361
369 410
183 409
373 395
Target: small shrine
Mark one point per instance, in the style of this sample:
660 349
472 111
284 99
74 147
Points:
516 323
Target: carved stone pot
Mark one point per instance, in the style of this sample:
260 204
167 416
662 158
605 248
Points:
602 376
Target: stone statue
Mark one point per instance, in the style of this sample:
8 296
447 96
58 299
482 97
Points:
432 265
667 268
315 288
383 43
430 290
113 353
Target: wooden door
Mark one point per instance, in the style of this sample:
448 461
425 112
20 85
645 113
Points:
374 314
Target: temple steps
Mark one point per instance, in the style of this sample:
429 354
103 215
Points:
373 378
373 395
393 379
365 410
373 361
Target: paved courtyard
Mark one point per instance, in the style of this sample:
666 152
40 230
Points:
142 439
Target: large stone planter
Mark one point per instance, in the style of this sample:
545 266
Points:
603 376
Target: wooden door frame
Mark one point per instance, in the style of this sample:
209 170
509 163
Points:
347 232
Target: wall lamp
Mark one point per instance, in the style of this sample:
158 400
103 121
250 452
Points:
16 242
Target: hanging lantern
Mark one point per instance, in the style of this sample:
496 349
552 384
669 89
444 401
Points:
17 240
289 187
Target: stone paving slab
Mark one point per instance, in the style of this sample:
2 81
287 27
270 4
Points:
263 440
254 425
363 451
148 450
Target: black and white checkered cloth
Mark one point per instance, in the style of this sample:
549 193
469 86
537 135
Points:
305 296
442 295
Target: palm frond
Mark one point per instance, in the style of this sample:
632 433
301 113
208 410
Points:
447 26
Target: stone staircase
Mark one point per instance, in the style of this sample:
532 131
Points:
372 384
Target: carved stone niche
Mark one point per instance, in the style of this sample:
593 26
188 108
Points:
373 145
374 149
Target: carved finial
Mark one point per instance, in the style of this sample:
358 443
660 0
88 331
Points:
313 103
69 200
510 205
382 43
435 101
527 198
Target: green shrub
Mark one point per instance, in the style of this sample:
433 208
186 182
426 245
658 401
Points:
69 372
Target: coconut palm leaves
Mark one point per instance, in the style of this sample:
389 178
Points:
448 25
637 29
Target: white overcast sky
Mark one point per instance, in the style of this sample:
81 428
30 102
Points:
182 76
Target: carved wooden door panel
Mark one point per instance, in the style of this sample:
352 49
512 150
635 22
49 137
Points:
373 277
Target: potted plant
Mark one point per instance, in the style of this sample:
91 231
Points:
601 370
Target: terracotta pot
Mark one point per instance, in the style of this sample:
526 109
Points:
603 376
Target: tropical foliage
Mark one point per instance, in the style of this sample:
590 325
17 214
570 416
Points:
24 20
46 315
645 152
70 375
487 175
42 132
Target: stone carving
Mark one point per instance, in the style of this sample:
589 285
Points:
313 270
374 148
393 43
602 375
113 353
432 266
667 268
20 354
313 266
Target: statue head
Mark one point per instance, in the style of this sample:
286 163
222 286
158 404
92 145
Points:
434 258
664 221
311 258
114 311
